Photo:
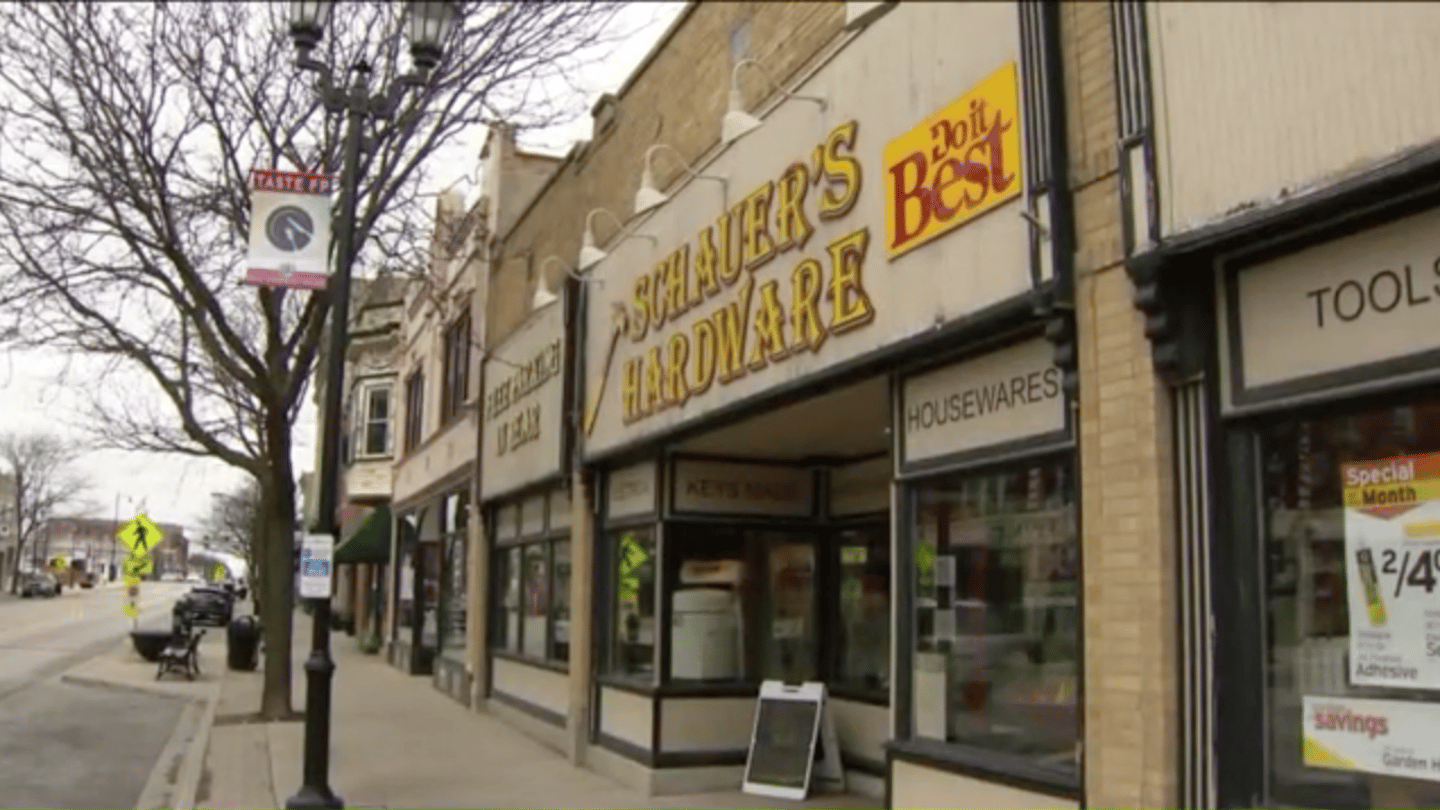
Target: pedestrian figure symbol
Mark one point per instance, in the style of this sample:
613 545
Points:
140 544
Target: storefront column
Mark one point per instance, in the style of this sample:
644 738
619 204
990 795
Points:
582 577
362 599
476 600
1128 538
388 621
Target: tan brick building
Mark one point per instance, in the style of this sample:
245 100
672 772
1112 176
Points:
1054 385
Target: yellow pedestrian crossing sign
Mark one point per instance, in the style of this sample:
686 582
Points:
140 534
135 566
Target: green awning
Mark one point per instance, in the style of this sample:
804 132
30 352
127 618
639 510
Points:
365 539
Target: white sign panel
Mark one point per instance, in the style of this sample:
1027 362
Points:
1000 397
289 229
1394 737
730 488
861 488
792 273
1392 564
631 491
1357 300
317 553
523 400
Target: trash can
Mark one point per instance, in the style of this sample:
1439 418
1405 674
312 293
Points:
242 643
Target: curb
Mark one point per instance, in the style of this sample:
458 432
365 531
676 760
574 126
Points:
192 766
85 680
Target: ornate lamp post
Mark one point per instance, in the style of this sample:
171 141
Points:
432 24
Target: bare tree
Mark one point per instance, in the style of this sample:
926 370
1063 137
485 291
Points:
129 133
42 467
235 522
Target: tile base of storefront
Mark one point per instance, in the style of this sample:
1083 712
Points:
451 678
915 785
532 721
398 654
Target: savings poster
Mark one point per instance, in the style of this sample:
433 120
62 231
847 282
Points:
1392 545
1395 737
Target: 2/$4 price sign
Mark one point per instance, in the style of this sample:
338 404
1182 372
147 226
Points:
1392 539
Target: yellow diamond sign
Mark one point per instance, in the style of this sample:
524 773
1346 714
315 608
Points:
136 567
140 534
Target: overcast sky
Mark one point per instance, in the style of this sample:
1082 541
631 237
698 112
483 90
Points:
36 394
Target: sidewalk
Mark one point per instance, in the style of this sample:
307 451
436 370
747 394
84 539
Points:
398 743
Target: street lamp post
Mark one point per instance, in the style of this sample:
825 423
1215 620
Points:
431 26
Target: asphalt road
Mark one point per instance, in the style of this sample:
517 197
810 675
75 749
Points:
70 746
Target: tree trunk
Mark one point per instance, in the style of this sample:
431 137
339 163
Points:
275 584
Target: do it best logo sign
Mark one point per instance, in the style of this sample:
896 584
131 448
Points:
959 163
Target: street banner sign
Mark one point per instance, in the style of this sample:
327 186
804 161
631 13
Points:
316 551
139 534
289 229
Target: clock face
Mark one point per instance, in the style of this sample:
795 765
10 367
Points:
289 228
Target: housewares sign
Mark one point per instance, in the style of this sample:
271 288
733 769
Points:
1392 545
523 402
957 164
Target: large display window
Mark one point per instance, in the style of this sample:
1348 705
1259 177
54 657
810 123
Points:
995 659
530 597
454 547
1350 535
860 657
633 571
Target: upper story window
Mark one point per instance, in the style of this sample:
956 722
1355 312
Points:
414 409
374 410
455 385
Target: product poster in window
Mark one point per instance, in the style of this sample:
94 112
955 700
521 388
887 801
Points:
1392 543
1395 737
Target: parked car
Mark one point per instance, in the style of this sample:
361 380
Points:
40 585
209 604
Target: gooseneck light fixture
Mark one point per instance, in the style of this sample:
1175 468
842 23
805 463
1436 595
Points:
432 25
591 255
737 121
648 196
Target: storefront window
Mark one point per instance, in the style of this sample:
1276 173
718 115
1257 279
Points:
633 642
430 594
791 650
560 603
862 632
536 589
996 626
405 598
505 635
1315 549
711 604
455 548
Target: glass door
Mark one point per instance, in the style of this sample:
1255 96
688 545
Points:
790 634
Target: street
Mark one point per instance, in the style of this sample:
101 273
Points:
65 745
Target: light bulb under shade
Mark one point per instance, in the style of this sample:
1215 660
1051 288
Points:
736 124
542 298
589 257
648 197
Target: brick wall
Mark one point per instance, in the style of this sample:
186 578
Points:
678 98
1130 652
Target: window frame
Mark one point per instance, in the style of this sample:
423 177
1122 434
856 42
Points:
830 594
455 368
546 540
959 756
414 410
361 420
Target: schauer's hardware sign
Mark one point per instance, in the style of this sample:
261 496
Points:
771 279
745 324
523 401
959 163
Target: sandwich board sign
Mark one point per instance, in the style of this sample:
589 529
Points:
793 742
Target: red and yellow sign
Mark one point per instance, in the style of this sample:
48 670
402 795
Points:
957 164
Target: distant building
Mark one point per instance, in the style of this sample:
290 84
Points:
89 545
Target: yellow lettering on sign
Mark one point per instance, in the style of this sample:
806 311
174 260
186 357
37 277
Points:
751 324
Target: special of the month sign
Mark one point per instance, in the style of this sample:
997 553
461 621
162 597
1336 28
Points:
289 229
1392 544
1393 737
